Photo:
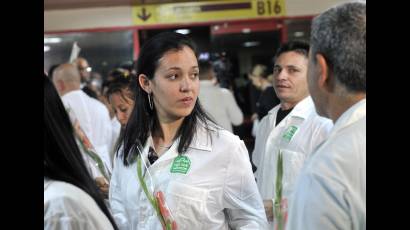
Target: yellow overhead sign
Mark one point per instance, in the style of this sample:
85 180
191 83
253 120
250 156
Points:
190 12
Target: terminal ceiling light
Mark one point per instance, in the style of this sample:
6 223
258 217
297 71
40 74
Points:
183 31
52 40
251 44
46 48
246 30
299 34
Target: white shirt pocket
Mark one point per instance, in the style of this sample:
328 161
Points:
187 205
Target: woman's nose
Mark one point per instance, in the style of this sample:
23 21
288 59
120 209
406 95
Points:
186 84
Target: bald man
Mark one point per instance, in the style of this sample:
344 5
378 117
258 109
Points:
92 115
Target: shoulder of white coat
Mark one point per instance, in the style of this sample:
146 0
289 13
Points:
226 141
62 193
225 91
61 189
320 123
98 104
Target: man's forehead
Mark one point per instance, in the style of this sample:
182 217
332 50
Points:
291 58
83 63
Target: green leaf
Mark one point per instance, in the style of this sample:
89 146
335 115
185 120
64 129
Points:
149 196
96 159
278 191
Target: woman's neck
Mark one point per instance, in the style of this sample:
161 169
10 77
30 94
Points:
165 133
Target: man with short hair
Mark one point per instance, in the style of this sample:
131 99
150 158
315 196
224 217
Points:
218 102
92 115
293 127
331 190
85 74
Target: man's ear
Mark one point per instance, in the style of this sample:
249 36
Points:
325 81
145 83
60 85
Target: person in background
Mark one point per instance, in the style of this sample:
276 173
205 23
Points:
121 96
200 172
331 191
267 99
218 102
115 75
71 198
91 114
293 127
85 74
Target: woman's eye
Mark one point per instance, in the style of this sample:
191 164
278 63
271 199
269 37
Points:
172 77
195 75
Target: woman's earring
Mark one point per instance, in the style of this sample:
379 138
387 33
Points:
151 105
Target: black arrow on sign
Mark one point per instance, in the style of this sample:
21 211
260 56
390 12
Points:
144 16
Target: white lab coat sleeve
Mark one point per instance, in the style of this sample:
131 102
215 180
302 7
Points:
234 112
242 202
115 196
318 203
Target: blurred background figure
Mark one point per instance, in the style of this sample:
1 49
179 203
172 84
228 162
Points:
266 96
121 96
71 199
218 102
85 74
118 75
223 70
92 115
96 82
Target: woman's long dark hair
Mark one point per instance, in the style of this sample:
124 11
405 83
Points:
62 158
143 121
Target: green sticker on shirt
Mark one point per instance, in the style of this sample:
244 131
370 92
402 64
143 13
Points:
181 164
290 132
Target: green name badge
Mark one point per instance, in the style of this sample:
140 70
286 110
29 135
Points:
181 164
290 132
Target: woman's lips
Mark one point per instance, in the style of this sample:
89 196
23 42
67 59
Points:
187 101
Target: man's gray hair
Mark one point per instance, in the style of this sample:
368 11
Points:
339 34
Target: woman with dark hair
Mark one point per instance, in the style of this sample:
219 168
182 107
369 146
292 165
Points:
120 95
71 198
174 164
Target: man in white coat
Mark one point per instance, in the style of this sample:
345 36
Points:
92 115
331 190
295 114
218 102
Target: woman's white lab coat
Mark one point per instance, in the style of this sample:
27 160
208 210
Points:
217 192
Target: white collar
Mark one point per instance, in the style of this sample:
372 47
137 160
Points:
353 114
302 108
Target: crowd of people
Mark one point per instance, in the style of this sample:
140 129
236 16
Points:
153 146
